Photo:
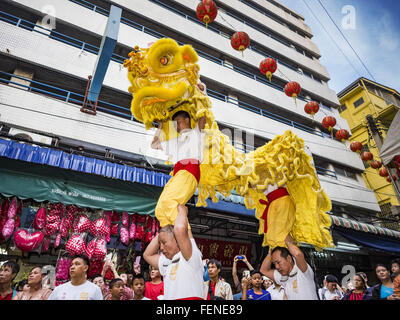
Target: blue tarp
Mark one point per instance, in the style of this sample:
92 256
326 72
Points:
56 158
371 241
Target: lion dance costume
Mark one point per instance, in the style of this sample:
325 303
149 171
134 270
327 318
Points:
277 179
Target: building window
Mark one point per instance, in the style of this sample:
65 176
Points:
358 103
342 108
345 172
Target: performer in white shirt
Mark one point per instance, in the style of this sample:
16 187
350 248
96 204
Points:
186 152
291 271
180 263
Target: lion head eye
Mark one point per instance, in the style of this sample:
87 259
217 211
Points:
164 60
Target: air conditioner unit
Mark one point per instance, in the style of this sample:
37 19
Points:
34 137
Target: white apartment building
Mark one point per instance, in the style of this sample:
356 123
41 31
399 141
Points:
49 48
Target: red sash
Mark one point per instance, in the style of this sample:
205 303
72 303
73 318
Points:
276 194
190 165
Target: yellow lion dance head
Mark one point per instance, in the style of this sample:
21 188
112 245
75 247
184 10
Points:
164 80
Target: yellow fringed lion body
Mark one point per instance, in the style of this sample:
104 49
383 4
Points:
164 81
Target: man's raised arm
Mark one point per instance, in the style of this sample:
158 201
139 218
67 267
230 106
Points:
181 232
296 253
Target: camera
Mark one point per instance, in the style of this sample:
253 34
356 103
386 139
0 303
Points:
240 257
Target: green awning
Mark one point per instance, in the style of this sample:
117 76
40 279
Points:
44 183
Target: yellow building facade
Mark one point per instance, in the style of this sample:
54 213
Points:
365 97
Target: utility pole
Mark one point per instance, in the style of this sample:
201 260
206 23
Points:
377 136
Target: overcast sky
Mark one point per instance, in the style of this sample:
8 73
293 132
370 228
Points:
374 34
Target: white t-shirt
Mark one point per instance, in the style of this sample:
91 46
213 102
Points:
144 298
299 285
86 291
329 295
182 279
275 293
188 145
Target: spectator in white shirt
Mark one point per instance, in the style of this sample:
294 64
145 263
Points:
79 288
277 292
332 290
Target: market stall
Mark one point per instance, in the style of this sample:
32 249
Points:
48 233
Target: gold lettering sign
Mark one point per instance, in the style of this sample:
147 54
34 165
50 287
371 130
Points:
201 247
228 251
214 249
243 250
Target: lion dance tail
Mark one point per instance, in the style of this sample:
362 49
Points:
283 162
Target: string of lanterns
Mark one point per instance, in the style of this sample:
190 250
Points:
207 12
368 157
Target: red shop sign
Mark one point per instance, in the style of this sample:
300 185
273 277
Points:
223 251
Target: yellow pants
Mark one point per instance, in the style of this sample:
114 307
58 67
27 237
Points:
179 189
280 220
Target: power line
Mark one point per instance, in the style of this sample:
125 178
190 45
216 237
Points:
333 40
348 42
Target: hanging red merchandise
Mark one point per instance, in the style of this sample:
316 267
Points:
9 225
40 218
26 241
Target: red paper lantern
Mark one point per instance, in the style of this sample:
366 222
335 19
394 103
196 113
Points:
376 164
311 108
383 172
394 178
356 146
240 41
292 89
268 66
207 11
367 156
342 135
329 122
